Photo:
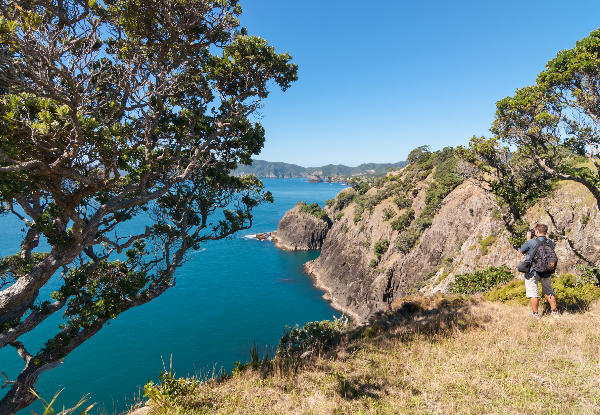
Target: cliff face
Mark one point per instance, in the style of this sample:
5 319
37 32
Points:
300 231
364 263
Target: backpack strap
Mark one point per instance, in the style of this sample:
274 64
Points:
536 248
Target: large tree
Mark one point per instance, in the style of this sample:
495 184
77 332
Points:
545 132
111 109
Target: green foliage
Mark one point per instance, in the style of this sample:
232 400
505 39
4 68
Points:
419 155
344 198
381 248
572 292
169 389
402 201
339 216
50 410
481 281
316 336
446 178
373 263
403 221
329 202
486 243
585 219
388 213
312 209
518 233
145 105
512 293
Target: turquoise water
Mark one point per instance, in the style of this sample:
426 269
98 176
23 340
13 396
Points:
229 295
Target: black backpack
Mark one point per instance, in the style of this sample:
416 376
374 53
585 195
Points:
544 259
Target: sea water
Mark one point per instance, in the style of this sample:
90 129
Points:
230 295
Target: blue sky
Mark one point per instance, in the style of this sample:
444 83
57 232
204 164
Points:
377 79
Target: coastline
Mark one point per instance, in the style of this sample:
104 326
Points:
328 296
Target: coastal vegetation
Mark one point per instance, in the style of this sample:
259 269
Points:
113 110
312 209
378 368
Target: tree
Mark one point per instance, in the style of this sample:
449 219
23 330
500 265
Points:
112 109
418 154
546 132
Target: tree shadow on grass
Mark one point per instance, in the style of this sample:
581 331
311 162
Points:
435 317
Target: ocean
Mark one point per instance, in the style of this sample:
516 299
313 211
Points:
230 294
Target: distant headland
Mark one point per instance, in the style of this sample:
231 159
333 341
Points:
280 170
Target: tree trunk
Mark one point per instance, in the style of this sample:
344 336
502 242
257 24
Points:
19 396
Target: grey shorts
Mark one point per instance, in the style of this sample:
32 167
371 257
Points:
531 286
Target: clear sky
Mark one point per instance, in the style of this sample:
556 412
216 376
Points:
377 79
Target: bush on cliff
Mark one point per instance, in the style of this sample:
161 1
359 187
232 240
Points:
316 337
344 198
312 209
481 281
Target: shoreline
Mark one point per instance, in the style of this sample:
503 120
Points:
308 268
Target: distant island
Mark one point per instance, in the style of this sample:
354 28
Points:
280 170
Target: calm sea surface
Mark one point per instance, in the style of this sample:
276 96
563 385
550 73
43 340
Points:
229 295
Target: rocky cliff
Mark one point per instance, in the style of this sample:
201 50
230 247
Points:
301 230
396 238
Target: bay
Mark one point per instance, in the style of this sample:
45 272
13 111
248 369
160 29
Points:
231 294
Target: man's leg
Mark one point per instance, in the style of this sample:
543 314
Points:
534 304
548 291
532 292
552 301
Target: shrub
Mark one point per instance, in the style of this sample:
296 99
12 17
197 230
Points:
381 247
339 216
316 336
329 202
572 292
407 239
486 243
358 210
169 389
344 198
312 209
402 201
403 221
388 213
481 281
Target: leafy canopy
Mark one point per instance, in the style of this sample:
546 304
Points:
109 110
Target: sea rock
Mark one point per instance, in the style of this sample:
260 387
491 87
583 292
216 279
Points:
313 178
263 236
300 231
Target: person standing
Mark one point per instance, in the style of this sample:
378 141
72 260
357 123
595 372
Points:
532 277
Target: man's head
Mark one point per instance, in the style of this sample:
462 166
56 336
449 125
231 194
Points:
540 229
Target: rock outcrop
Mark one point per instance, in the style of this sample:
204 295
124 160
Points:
300 231
361 275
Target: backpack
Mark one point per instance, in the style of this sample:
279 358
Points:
544 259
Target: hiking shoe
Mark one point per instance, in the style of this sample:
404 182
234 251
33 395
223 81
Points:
535 315
555 314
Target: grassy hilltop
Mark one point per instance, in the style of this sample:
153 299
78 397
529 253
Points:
441 354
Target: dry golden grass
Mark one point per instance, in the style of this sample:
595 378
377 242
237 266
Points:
440 355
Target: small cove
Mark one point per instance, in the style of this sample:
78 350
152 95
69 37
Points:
230 294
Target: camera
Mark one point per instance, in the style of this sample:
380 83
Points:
532 232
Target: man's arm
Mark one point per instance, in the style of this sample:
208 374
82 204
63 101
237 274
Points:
527 245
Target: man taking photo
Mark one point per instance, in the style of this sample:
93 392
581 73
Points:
540 252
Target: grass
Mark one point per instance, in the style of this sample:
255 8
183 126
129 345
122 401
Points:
429 355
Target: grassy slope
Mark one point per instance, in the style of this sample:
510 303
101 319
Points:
451 355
